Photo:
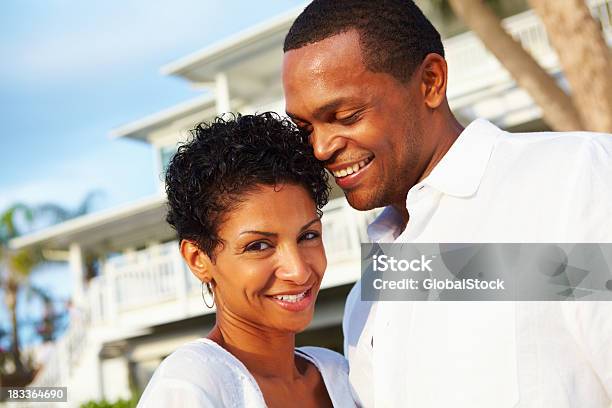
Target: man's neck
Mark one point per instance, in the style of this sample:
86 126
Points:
447 132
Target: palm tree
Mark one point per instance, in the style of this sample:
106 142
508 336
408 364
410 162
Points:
16 266
47 328
590 107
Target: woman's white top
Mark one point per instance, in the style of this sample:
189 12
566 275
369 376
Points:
203 374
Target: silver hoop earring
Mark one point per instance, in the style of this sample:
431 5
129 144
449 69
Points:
210 293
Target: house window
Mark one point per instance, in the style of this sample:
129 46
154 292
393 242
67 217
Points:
166 154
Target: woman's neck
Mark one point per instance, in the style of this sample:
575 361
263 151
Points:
266 354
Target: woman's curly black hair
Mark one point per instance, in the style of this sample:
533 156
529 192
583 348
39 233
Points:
211 174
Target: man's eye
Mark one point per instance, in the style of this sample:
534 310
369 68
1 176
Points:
348 120
257 246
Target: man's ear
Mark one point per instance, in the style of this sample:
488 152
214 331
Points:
433 81
197 260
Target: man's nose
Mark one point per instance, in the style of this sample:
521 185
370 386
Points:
293 266
325 142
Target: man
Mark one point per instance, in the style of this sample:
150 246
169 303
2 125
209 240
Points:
367 80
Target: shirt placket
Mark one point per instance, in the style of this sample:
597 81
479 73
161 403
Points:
421 202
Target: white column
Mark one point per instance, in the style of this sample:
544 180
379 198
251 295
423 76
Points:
157 159
222 95
77 270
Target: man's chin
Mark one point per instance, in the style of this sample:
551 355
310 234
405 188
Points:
362 201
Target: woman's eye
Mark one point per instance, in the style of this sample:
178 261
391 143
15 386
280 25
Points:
257 246
310 236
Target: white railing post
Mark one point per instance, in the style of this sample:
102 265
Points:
181 280
77 269
110 292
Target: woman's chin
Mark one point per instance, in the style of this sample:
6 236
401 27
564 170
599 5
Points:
294 324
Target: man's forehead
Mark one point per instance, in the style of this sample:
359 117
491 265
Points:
327 55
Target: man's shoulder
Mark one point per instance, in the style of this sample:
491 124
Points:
560 143
561 152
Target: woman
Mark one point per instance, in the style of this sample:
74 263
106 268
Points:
245 197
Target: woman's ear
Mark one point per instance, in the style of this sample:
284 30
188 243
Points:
197 260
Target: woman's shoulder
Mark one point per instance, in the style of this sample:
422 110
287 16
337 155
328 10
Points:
199 357
200 370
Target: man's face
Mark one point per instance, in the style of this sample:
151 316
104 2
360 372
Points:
366 126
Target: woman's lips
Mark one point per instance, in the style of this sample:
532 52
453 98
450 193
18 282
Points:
294 303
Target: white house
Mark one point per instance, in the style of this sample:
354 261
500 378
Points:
144 302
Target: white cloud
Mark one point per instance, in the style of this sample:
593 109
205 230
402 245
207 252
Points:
107 38
121 172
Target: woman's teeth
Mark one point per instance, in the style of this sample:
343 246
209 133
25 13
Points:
291 298
351 169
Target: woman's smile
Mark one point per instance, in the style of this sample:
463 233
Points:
294 302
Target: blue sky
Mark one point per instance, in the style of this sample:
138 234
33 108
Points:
73 70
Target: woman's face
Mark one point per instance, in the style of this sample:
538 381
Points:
268 272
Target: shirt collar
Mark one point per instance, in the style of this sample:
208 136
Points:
386 227
458 174
461 169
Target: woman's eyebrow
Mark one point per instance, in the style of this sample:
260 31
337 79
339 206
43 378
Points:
310 223
264 233
274 234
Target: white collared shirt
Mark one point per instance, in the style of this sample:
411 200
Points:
493 186
202 374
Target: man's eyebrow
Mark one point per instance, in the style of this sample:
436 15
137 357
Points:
321 110
328 107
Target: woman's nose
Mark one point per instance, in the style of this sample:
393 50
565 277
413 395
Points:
294 267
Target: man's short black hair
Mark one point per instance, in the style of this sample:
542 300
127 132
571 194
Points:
394 35
227 159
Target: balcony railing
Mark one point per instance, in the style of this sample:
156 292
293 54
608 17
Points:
472 67
158 274
65 353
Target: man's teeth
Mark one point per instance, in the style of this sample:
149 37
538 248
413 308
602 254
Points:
291 298
351 169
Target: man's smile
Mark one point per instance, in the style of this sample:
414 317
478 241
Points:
349 174
344 170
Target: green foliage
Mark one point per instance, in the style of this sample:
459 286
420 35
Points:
120 403
10 218
16 266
